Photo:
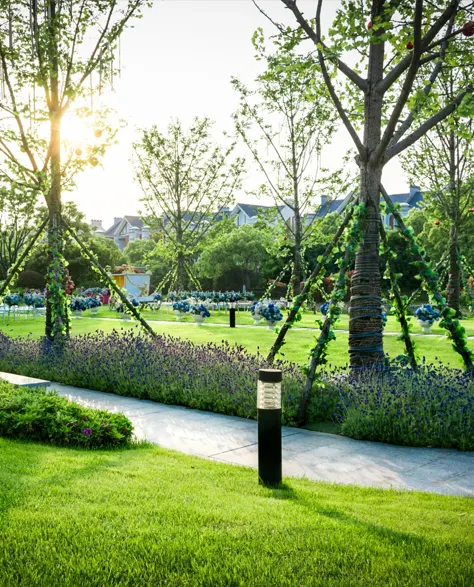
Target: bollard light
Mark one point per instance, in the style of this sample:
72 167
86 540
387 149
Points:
232 314
269 426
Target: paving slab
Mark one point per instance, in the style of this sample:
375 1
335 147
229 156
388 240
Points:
23 381
313 455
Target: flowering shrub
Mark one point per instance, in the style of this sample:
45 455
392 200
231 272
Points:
34 299
38 414
68 283
255 309
12 299
122 308
182 306
219 378
93 291
94 302
79 303
271 312
199 310
433 406
211 296
427 314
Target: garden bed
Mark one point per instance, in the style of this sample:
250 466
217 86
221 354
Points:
431 407
434 407
218 378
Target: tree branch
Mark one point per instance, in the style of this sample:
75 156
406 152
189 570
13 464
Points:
426 126
398 70
427 89
342 113
406 88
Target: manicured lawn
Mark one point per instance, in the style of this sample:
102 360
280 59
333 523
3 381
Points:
253 339
308 320
154 517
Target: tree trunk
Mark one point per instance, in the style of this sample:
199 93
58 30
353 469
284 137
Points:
297 264
365 325
454 281
57 324
181 272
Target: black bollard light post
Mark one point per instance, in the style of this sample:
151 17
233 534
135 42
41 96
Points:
269 426
232 314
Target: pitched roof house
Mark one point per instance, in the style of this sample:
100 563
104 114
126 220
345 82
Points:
124 230
249 213
407 202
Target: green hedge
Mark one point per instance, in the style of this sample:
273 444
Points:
38 414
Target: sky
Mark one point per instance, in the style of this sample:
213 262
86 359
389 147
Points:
177 62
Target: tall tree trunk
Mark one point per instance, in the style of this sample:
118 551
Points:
365 325
297 261
181 272
454 281
56 311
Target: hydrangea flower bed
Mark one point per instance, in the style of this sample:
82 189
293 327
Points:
34 299
432 407
209 377
12 299
211 296
182 306
79 304
426 313
199 310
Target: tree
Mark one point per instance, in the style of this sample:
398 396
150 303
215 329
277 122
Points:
291 113
386 94
80 270
49 50
136 252
17 223
435 235
187 181
443 163
235 258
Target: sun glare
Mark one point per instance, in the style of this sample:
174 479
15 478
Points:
76 130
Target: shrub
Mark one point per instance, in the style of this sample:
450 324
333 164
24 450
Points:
431 407
219 378
31 279
38 414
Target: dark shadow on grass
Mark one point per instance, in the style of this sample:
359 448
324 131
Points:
393 537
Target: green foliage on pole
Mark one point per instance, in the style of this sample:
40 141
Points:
455 331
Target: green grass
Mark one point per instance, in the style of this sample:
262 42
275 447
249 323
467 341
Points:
154 517
308 320
254 339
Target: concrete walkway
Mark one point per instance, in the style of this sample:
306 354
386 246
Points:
314 455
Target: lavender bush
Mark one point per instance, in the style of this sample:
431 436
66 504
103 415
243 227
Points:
165 369
432 407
